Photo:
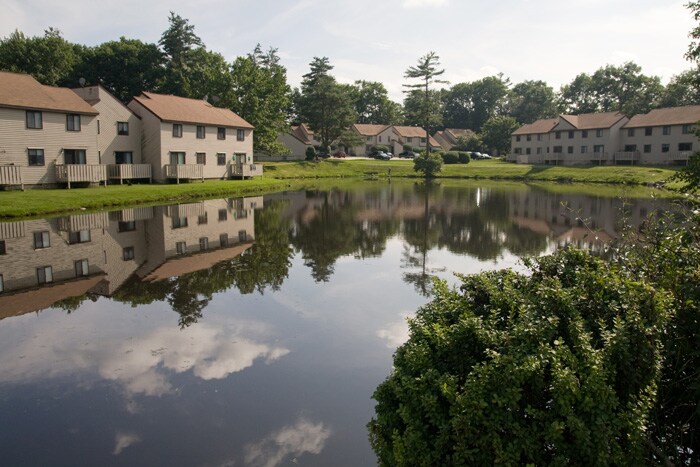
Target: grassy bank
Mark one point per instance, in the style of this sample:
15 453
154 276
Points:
298 175
494 170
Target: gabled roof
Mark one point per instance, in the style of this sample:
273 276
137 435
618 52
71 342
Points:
367 129
544 125
687 115
171 108
410 131
434 143
304 134
93 95
593 121
24 92
455 133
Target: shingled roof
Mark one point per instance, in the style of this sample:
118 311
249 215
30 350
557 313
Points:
687 115
171 108
410 131
544 125
594 120
367 129
24 92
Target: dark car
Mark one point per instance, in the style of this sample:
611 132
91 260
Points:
381 155
408 154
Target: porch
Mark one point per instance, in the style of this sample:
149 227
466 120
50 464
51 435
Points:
71 173
245 170
630 157
184 172
123 172
11 175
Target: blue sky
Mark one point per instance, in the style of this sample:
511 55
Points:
377 40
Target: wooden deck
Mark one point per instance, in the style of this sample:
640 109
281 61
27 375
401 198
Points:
184 172
71 173
123 172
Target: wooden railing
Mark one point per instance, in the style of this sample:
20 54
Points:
98 220
132 214
123 172
12 230
245 170
183 171
11 175
70 173
626 156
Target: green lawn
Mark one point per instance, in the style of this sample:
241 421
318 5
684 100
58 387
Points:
296 175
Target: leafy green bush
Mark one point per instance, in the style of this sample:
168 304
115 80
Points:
464 157
380 147
450 157
310 153
556 367
428 164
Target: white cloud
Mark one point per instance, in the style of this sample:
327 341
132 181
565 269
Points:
123 441
295 440
395 333
423 3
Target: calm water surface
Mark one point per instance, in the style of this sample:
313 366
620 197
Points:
243 331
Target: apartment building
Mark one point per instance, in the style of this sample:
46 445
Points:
297 140
447 139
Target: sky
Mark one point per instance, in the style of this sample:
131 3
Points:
377 40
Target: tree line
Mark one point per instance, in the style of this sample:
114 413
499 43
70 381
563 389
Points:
255 87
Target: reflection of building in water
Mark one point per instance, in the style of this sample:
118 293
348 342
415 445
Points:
45 261
579 220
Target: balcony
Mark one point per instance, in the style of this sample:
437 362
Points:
626 156
71 173
184 171
123 172
245 170
11 175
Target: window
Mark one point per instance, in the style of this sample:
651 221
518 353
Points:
409 140
599 148
123 128
539 137
177 158
380 138
204 243
648 131
517 138
181 248
179 222
665 147
98 126
599 133
81 236
36 156
73 122
41 240
220 158
584 134
81 268
584 149
203 219
570 149
201 132
35 120
201 158
685 146
687 129
539 150
177 130
630 132
74 156
527 150
557 135
557 149
242 236
223 239
223 214
3 250
528 137
666 130
126 226
44 275
240 135
123 157
422 140
630 148
647 148
518 150
221 133
128 253
240 156
2 284
571 134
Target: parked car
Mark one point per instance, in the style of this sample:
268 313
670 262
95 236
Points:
476 155
408 154
381 155
340 155
486 156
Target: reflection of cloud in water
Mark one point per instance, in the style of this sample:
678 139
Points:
395 333
123 441
300 438
139 364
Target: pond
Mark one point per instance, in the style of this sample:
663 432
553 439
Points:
245 331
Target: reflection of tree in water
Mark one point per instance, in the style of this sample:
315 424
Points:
265 264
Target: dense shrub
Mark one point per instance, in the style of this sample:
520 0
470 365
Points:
450 157
380 147
310 153
556 367
428 164
464 157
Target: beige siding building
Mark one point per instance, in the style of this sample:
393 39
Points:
662 136
48 135
297 141
191 139
530 143
447 139
372 135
